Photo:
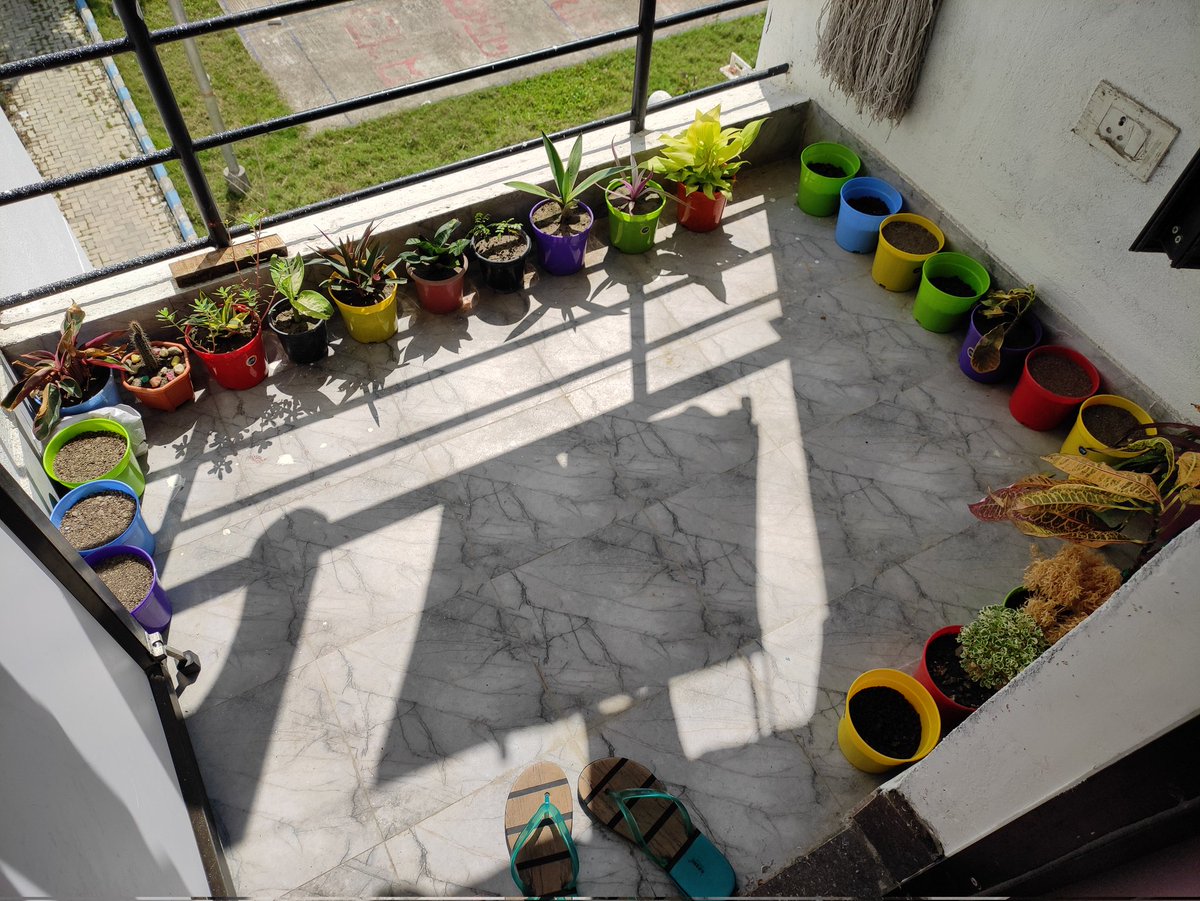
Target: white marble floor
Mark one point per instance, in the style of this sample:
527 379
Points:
666 509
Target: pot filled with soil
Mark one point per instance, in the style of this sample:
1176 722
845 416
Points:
130 574
951 283
368 321
940 670
1022 337
1103 424
305 340
1053 382
890 720
561 239
824 168
501 260
235 361
632 224
439 289
99 514
906 241
864 204
90 450
162 383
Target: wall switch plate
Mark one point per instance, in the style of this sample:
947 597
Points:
1126 132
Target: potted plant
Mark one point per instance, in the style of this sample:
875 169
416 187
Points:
102 513
226 334
1054 380
73 378
702 160
158 373
92 449
941 671
999 644
863 205
130 574
298 318
825 168
890 720
363 285
561 222
906 241
501 249
951 283
635 204
1001 331
1063 590
438 267
1104 423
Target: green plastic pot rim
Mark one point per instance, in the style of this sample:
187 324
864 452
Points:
926 224
840 154
640 217
55 444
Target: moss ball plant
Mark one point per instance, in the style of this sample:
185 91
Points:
1065 588
999 644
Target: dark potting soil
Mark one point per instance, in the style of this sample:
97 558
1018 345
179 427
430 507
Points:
88 457
1020 335
501 248
351 297
953 285
1058 374
910 237
549 219
646 203
947 673
98 519
435 273
829 170
869 206
288 321
128 577
1109 425
886 721
224 344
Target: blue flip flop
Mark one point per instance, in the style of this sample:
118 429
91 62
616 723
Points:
537 828
627 798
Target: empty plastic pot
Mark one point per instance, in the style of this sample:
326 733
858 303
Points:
1084 444
154 612
897 269
1039 408
941 311
862 755
856 231
818 194
126 470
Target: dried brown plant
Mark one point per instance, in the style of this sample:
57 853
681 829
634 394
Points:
1065 588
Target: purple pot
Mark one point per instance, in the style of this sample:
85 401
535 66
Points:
559 255
1011 357
154 612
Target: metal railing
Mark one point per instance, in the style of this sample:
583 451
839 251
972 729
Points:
141 41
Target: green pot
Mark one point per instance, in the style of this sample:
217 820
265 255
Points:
938 311
127 470
820 195
633 234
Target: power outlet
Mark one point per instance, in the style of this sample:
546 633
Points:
1126 132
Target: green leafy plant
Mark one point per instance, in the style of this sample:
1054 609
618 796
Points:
705 157
226 323
485 228
633 184
64 374
362 274
150 366
287 274
1005 309
567 188
998 645
438 253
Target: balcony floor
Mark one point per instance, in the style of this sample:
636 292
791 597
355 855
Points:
666 509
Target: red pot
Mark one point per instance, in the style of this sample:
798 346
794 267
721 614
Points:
440 295
696 212
952 712
1040 409
239 369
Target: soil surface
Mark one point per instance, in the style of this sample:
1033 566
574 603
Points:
952 285
88 457
128 577
225 344
432 272
829 170
351 298
869 206
1108 425
947 673
1058 374
288 321
910 237
501 248
549 219
97 520
645 204
1020 335
886 721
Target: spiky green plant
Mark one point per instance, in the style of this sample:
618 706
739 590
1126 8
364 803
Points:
567 188
362 274
999 644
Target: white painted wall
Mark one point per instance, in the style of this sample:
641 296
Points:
988 139
91 804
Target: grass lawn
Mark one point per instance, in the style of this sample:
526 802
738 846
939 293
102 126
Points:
291 168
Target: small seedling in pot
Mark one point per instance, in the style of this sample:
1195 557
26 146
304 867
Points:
495 240
287 274
1005 309
150 366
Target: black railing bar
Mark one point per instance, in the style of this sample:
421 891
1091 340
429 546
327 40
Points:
60 58
94 275
86 176
756 75
641 64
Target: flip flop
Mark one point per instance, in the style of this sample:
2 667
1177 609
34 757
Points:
537 827
626 797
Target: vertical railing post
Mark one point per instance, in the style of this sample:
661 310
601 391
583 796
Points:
168 109
641 65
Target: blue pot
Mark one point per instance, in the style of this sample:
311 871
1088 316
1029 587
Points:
137 535
106 397
857 232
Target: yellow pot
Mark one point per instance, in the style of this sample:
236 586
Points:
861 754
372 324
899 270
1083 443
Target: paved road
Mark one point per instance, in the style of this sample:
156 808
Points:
370 45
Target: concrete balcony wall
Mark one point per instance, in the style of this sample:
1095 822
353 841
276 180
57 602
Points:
988 139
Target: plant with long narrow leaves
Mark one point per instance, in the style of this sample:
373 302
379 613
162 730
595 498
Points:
705 157
438 252
287 274
362 274
1005 309
633 183
567 188
64 374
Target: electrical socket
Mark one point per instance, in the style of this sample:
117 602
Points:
1126 132
1123 131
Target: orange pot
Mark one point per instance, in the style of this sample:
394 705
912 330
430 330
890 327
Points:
174 393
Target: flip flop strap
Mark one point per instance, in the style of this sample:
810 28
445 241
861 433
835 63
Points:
634 794
546 815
